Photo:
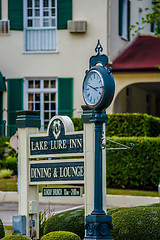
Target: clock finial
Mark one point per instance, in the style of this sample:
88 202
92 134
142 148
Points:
99 58
99 47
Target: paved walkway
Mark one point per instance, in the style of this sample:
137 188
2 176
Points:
112 200
8 210
9 203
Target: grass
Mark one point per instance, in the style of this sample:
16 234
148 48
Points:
132 192
8 185
11 185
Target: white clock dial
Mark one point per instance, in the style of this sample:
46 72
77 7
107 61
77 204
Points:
93 88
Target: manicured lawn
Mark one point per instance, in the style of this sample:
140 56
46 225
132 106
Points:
11 185
8 185
132 192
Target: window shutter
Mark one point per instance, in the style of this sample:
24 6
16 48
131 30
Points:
64 13
15 99
128 18
0 10
15 14
120 16
65 96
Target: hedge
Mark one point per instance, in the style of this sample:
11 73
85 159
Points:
132 124
78 126
61 235
131 223
11 162
136 223
136 168
128 125
71 221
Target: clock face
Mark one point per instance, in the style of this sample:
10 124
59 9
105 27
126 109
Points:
93 88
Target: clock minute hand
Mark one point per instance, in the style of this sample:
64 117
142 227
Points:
92 87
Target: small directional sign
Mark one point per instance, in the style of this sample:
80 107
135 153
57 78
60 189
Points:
61 191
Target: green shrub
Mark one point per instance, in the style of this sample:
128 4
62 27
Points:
43 216
61 235
3 148
11 162
136 168
1 164
16 237
154 205
5 173
136 223
71 221
2 233
132 124
78 126
128 125
11 151
111 211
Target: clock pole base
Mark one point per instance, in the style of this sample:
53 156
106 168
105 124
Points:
98 226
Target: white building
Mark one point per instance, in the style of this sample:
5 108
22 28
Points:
45 46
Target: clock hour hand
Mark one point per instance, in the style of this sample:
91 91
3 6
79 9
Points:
95 88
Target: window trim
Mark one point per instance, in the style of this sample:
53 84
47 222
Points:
41 16
39 28
40 90
124 19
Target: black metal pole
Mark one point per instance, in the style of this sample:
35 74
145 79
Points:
98 225
98 191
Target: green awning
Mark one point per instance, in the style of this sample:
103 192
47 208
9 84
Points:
2 83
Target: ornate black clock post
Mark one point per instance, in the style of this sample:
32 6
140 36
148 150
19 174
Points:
98 92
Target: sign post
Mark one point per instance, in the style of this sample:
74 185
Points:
98 92
64 156
54 157
27 123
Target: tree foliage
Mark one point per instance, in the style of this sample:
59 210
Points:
152 16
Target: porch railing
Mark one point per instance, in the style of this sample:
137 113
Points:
7 130
10 130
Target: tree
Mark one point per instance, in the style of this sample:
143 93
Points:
152 17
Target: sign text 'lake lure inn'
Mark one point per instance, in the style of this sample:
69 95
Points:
61 140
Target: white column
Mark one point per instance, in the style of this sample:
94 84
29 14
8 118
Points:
4 5
27 193
27 123
89 142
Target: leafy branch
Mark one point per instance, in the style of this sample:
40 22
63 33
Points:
150 18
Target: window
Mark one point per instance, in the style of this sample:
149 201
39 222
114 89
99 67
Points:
40 24
17 13
124 19
41 95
